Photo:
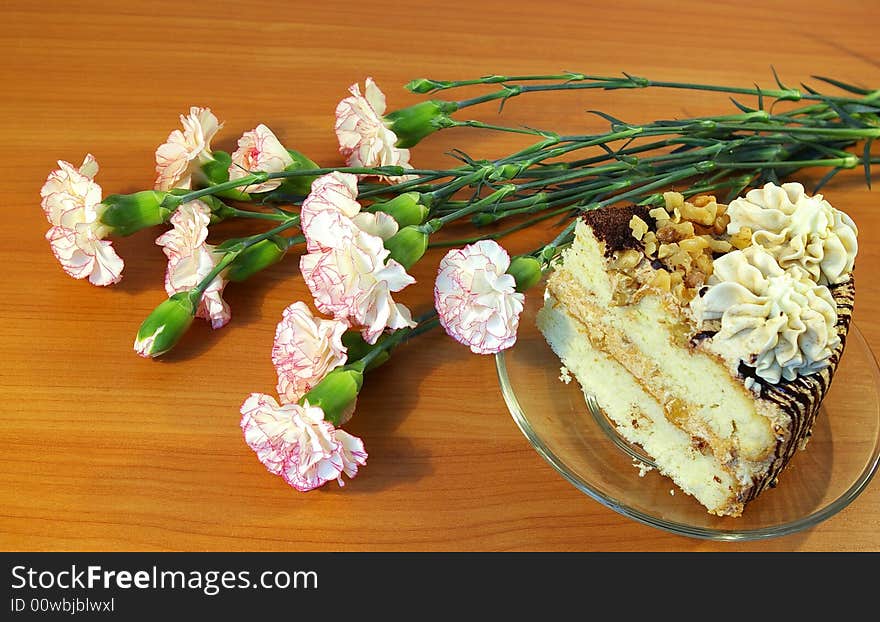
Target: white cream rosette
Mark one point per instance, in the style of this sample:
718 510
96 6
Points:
778 321
798 230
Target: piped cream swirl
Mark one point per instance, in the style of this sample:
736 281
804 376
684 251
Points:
798 230
778 321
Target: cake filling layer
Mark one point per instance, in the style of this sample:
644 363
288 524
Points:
721 431
639 421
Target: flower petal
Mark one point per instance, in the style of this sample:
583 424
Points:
476 300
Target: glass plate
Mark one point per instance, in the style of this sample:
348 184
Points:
583 447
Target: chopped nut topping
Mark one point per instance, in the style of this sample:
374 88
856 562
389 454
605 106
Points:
661 281
694 246
638 226
742 238
721 223
625 260
718 246
659 214
673 200
686 235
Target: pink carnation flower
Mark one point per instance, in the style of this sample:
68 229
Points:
185 151
346 268
190 259
71 201
306 349
351 279
331 205
364 139
295 442
259 150
335 193
477 301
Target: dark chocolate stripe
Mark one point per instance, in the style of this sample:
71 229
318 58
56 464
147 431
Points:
801 398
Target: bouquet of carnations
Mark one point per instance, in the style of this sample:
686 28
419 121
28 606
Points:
359 227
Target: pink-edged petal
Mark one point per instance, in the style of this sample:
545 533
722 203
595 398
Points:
353 453
259 150
332 193
191 259
295 442
185 150
305 350
265 427
476 300
82 255
364 138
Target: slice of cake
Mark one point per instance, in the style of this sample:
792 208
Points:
708 333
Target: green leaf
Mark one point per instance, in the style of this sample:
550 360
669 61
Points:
608 150
778 81
843 85
844 115
866 161
742 107
826 178
857 108
636 81
737 189
615 122
461 156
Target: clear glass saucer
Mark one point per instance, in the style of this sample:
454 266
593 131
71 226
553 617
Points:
837 465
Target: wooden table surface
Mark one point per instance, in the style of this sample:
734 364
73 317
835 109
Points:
102 450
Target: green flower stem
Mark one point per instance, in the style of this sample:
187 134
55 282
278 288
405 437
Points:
619 167
581 142
497 235
388 342
434 225
230 255
848 162
832 132
454 186
663 182
377 190
241 213
425 86
574 82
498 128
173 201
577 174
621 153
295 240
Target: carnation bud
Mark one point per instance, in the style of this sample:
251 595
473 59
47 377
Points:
125 214
299 186
424 85
336 393
356 349
219 210
412 124
526 271
483 218
406 209
216 170
408 245
164 327
506 172
254 258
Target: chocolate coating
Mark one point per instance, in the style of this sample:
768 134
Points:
611 225
802 397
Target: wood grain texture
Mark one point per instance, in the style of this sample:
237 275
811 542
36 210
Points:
102 450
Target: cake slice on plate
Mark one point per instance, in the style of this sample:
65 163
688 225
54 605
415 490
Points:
708 333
